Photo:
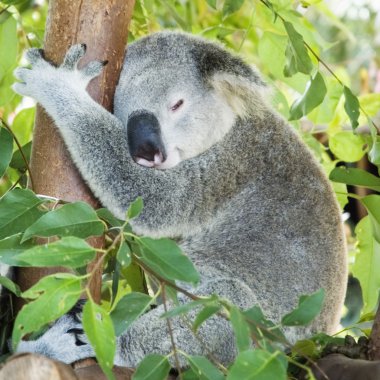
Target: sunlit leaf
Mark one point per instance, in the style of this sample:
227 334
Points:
53 296
367 264
73 219
355 177
10 285
128 309
8 44
351 106
6 149
298 59
309 306
257 365
313 96
167 258
231 6
98 327
204 369
18 210
152 367
347 146
372 204
211 3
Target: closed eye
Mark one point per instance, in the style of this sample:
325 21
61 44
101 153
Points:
177 105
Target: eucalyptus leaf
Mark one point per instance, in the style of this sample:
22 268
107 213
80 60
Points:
18 161
347 146
128 309
309 306
8 44
135 208
207 312
98 327
204 369
241 329
164 256
6 149
124 254
53 296
108 217
152 367
298 59
231 6
10 285
211 3
257 365
351 106
372 204
355 177
10 248
70 252
18 210
73 219
188 306
313 96
367 264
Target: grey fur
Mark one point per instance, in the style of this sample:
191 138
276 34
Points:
245 197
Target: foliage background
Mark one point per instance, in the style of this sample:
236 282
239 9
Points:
342 44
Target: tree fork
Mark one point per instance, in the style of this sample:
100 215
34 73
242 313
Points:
103 26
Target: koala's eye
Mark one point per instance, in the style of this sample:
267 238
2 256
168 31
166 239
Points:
177 105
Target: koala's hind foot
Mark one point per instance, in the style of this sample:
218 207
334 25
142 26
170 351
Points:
65 340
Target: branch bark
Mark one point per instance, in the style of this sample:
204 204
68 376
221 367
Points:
103 26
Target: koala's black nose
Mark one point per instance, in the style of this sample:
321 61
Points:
144 139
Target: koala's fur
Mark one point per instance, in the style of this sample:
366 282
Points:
244 196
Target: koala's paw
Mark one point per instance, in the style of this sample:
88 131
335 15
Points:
64 341
43 81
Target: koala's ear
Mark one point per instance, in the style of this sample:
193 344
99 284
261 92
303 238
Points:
231 78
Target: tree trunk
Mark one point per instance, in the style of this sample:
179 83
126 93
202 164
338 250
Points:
103 26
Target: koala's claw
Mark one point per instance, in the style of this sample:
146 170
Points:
94 68
35 56
77 333
73 55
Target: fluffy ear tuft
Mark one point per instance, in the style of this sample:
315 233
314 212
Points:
245 97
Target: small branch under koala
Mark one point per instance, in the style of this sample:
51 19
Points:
7 127
170 328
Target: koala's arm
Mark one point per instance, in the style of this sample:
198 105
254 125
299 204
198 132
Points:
97 140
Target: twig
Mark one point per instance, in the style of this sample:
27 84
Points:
170 328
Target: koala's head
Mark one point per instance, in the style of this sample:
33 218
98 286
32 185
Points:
178 95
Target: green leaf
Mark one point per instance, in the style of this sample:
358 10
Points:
211 3
6 149
204 369
347 146
351 106
313 96
367 264
165 257
18 209
128 309
73 219
355 177
231 6
204 314
152 367
374 153
69 252
8 44
257 365
306 348
241 329
135 208
372 204
298 59
108 217
10 285
262 327
18 161
10 248
22 125
186 307
98 327
309 306
123 255
54 296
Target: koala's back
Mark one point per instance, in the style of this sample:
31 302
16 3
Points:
281 231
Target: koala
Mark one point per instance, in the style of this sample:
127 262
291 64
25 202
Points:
218 169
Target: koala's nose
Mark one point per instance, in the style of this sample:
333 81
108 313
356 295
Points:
144 139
